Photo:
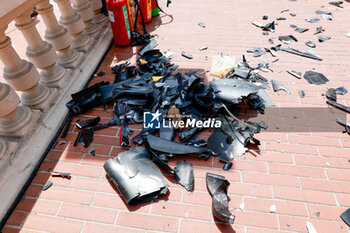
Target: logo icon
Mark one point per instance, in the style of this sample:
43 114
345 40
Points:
151 120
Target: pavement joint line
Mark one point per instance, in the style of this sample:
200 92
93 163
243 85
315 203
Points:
83 227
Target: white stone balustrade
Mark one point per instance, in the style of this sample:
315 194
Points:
75 25
41 53
99 19
59 37
23 76
84 9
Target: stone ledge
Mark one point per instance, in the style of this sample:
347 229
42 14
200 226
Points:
14 175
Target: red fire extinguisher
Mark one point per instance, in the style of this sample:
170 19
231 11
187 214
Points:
120 17
146 9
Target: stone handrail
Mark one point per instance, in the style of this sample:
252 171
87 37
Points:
54 67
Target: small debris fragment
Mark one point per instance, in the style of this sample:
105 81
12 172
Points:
301 94
201 24
319 30
310 44
271 41
268 27
308 53
273 209
227 166
92 151
288 225
203 48
323 38
242 206
47 185
265 17
346 216
101 73
280 18
293 15
331 94
337 4
285 10
186 55
314 20
341 91
315 78
265 33
318 214
328 164
310 227
294 73
277 86
287 39
61 174
257 51
325 14
169 55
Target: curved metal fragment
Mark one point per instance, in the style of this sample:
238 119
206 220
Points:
183 173
217 187
136 176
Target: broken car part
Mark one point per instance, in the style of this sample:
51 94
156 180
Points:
323 38
339 106
257 51
297 52
151 45
47 185
287 39
217 186
88 123
85 136
268 27
346 216
136 176
341 90
277 86
183 173
186 55
319 30
310 44
331 94
298 29
92 151
294 73
337 3
315 78
314 20
227 166
325 14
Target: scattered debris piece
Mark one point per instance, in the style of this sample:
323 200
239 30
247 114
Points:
92 151
318 214
268 27
315 78
280 18
265 17
169 55
337 4
292 14
314 20
227 166
328 164
319 30
186 55
88 123
277 86
331 94
86 136
341 90
339 106
257 51
203 48
47 185
346 216
308 54
301 94
101 73
148 47
325 14
310 227
273 209
310 44
285 10
323 38
298 29
271 41
294 73
287 39
201 24
217 186
183 173
136 176
61 174
265 33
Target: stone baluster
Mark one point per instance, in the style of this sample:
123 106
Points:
15 120
96 7
41 53
23 76
84 9
59 37
75 25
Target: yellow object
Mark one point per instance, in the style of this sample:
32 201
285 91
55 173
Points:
143 61
222 64
157 78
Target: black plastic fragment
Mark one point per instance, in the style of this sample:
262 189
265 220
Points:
287 39
280 18
346 216
301 94
201 24
88 123
339 106
277 86
227 166
319 30
315 78
217 186
151 45
101 73
294 73
203 48
325 14
61 174
293 14
323 38
310 44
337 3
341 90
47 185
331 94
186 55
271 41
297 52
183 173
314 20
257 52
92 151
265 17
85 136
